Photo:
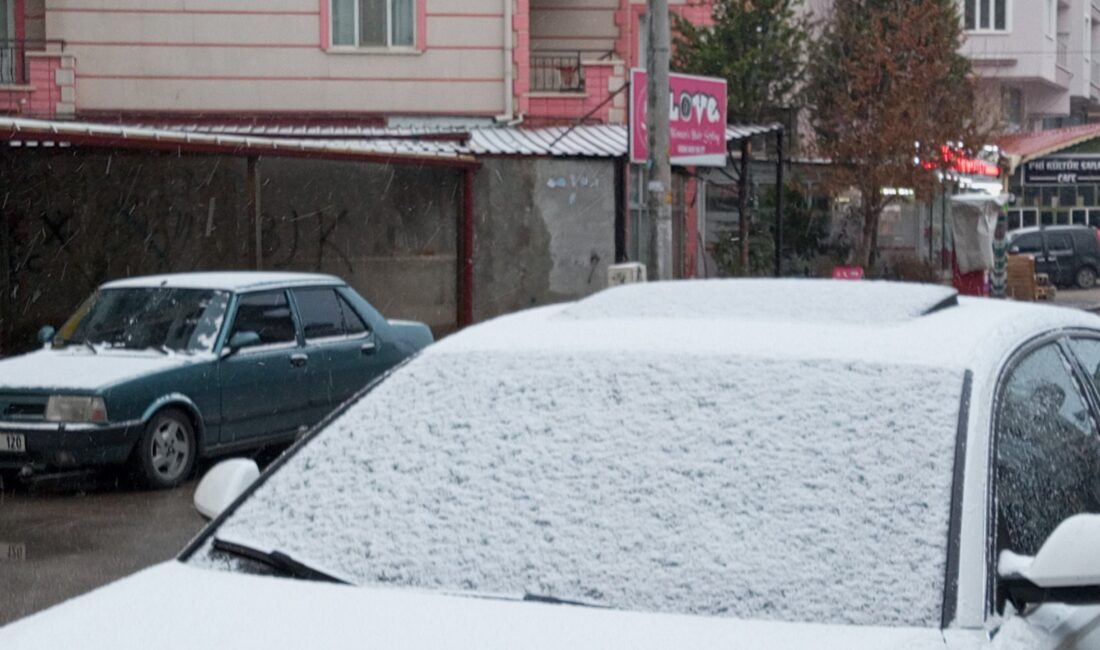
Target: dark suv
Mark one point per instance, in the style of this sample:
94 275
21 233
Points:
1069 255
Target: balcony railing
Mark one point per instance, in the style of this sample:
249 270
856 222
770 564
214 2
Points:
1063 49
562 72
13 59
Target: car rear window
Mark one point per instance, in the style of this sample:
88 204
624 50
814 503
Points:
715 485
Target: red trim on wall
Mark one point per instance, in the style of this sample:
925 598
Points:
421 24
217 12
245 78
326 25
20 20
444 14
188 44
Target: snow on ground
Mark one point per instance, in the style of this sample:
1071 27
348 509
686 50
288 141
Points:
705 484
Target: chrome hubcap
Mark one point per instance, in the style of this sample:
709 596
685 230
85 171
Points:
170 450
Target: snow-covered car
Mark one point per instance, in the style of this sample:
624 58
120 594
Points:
157 371
734 464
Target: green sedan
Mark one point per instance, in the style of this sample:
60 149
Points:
158 371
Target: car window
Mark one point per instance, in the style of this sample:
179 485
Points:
1029 243
1059 242
267 314
353 322
1088 353
1047 452
320 312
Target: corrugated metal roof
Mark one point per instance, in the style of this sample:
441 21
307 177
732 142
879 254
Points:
588 141
310 131
1020 148
585 141
46 132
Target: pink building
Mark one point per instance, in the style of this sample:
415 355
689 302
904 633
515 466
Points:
375 61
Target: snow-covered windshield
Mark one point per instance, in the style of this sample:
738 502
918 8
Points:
159 318
715 485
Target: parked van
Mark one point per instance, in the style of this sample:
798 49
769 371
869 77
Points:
1069 255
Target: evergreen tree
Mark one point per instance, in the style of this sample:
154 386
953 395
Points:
757 46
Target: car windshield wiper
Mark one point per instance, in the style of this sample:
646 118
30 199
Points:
88 344
277 560
554 600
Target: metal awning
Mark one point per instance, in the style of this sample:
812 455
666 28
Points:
31 133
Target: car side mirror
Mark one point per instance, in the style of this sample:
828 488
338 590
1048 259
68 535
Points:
241 340
223 484
1066 569
46 334
1014 250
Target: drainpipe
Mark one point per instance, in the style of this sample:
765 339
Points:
466 252
509 81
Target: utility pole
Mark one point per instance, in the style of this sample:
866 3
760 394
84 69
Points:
659 195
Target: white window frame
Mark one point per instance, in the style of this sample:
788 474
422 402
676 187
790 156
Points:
1051 19
978 29
357 24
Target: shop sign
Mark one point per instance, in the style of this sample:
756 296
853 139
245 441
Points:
1062 170
697 120
847 272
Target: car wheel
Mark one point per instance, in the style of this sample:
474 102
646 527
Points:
1085 278
166 452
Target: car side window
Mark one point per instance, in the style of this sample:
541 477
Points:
267 314
1029 243
1088 353
353 322
1047 452
1059 242
320 312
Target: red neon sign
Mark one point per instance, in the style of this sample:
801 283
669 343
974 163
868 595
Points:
959 163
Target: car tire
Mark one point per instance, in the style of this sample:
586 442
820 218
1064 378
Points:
1085 277
165 455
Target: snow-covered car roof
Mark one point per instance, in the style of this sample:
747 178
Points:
758 449
225 281
884 322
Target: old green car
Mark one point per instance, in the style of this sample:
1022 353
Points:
155 372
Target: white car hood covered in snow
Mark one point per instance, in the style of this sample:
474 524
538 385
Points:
172 606
81 369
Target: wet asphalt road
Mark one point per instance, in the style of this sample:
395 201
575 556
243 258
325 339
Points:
59 541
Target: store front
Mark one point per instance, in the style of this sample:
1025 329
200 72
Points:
1055 177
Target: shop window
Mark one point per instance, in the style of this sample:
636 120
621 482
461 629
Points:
1031 218
1046 218
1067 196
1094 218
1080 217
373 23
1032 195
1086 195
1049 195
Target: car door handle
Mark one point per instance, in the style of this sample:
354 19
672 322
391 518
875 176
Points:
368 348
298 360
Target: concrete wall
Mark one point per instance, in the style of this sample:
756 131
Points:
73 218
545 232
274 56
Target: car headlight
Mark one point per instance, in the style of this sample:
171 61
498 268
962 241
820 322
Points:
66 408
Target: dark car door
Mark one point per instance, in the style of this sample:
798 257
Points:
1061 257
264 387
343 351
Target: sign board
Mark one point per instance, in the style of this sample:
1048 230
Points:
697 120
1062 170
847 272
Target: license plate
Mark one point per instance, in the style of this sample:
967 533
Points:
13 442
12 552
